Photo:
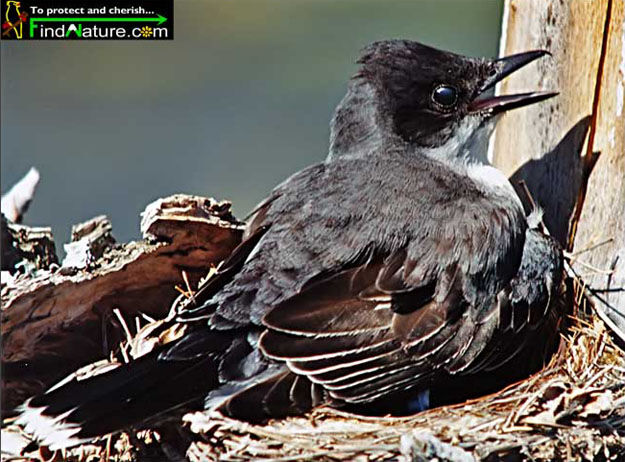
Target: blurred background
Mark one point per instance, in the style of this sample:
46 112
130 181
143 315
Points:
239 100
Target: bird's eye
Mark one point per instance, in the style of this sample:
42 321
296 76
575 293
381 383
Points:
445 95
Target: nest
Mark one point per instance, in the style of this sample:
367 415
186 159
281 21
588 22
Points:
573 409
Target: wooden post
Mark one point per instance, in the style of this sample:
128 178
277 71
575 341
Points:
553 146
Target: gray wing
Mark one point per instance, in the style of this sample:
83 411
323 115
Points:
348 334
370 284
328 218
530 308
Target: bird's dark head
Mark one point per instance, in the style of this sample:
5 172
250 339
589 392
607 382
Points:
425 97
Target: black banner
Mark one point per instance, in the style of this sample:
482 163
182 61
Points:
87 20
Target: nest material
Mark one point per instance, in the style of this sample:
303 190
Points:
574 409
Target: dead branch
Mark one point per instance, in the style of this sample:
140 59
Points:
55 319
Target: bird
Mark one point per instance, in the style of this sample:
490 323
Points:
402 265
14 18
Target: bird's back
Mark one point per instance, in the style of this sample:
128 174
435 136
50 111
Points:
326 217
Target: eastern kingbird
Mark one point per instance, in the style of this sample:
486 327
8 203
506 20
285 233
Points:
401 263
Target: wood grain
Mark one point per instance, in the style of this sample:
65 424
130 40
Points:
545 145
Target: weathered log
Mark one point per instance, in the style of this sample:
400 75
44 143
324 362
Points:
61 318
546 145
26 249
89 242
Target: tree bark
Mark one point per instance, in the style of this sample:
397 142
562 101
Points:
56 319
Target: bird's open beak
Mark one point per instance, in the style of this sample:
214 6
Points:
502 68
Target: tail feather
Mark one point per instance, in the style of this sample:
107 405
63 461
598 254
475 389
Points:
60 399
149 388
130 395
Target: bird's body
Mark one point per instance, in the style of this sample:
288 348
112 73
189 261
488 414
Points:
398 263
